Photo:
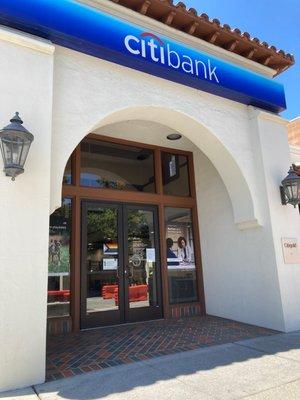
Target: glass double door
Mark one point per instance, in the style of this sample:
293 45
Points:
120 277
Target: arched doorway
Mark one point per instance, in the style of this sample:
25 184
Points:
133 238
151 132
208 140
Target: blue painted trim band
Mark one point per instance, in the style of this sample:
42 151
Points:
90 31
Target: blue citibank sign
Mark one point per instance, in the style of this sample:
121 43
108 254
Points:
90 31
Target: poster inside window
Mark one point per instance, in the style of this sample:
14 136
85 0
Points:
59 261
180 255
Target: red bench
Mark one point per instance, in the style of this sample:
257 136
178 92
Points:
108 291
58 295
136 293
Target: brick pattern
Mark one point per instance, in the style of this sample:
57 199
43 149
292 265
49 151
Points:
190 310
56 326
73 354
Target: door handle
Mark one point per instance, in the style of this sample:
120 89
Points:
128 272
118 272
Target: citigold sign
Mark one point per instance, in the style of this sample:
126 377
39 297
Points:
291 251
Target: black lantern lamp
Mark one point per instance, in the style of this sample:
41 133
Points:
290 189
15 142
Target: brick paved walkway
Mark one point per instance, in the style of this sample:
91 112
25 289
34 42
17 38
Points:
96 349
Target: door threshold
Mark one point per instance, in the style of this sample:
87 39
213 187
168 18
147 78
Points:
124 324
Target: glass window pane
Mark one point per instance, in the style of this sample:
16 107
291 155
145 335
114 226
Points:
102 261
142 259
116 166
175 174
67 180
180 255
59 261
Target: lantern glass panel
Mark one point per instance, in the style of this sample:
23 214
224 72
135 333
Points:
294 189
12 150
7 151
24 152
17 146
289 191
15 150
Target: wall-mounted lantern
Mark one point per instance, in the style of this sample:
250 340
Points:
15 142
290 189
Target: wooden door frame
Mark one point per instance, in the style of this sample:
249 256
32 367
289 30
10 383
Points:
135 314
114 316
124 312
78 193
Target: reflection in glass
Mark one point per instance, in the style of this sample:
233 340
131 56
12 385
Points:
116 166
175 174
102 259
67 179
180 255
142 259
59 261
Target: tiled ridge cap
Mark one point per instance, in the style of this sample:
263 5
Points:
212 31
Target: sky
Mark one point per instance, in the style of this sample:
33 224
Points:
273 21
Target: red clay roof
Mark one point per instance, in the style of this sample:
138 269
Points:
212 31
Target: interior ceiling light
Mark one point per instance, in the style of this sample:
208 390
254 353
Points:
174 136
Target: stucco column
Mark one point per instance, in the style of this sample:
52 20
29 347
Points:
285 220
26 81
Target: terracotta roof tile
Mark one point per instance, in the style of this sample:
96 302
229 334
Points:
212 31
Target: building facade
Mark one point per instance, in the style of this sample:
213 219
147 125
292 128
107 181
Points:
294 139
141 226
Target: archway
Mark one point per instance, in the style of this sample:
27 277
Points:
244 209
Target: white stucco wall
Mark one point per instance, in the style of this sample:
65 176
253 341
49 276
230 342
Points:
239 267
275 153
241 156
26 71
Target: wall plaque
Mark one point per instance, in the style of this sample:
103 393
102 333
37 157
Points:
291 252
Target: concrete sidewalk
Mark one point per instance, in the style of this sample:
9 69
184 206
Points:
262 368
